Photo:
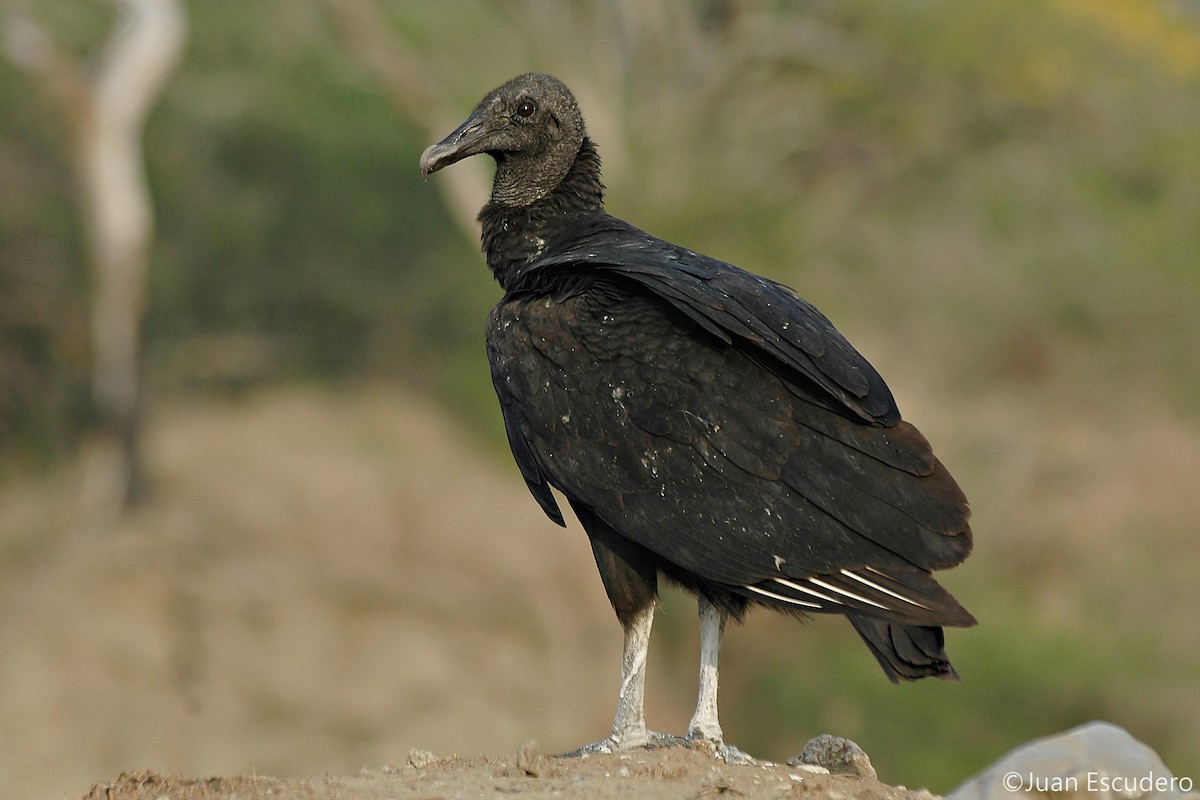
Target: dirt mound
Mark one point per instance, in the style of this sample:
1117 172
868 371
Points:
658 775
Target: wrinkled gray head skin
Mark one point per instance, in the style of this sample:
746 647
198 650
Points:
533 129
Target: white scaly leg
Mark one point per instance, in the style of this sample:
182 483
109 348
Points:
704 724
705 727
629 725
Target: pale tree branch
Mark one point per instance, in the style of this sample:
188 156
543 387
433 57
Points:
106 113
139 57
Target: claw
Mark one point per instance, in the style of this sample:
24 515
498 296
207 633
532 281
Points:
718 749
651 741
602 746
733 756
658 740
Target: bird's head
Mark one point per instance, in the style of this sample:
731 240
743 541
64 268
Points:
533 129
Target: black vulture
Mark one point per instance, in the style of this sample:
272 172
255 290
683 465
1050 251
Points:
704 423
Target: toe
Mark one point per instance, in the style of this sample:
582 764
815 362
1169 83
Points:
719 749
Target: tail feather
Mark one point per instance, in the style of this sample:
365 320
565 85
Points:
906 652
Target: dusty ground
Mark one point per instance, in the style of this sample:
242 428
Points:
660 775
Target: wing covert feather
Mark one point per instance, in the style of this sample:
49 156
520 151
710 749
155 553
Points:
687 447
731 303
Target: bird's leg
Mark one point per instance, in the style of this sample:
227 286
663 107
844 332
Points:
629 725
705 726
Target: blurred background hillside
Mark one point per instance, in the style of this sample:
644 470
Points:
999 205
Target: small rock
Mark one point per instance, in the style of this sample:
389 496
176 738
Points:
421 758
839 756
532 760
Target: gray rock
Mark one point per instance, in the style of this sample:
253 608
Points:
1096 760
839 756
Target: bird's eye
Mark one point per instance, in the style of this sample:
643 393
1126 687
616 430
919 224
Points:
526 109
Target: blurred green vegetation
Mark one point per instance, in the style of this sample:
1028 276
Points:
927 168
1010 191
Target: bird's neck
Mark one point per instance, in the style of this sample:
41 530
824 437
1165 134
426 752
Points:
515 236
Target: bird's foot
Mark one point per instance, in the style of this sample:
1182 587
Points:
718 749
633 740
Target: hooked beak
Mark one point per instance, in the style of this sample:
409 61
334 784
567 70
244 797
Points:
467 139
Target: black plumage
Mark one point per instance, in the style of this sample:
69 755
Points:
704 423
